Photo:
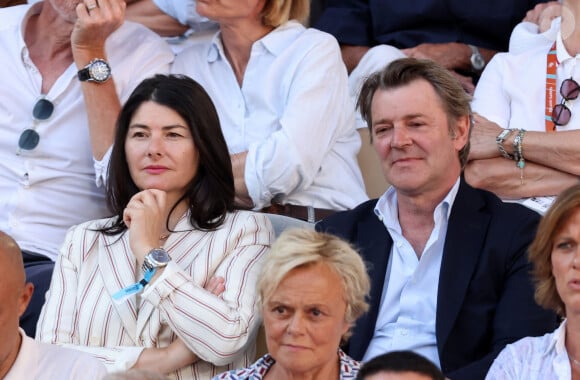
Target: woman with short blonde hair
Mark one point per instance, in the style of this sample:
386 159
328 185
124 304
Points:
312 288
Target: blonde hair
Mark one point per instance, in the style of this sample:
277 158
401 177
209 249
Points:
540 251
298 248
277 12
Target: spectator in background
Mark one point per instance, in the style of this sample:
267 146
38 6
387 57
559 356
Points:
555 255
67 68
282 97
170 186
312 288
9 3
454 33
539 27
21 357
399 365
448 266
525 138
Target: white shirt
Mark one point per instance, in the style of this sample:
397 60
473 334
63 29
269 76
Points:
534 358
292 114
526 35
184 11
408 308
512 93
44 361
58 184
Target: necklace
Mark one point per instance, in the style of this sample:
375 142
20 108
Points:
165 236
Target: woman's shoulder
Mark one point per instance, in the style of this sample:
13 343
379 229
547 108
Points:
255 371
248 222
94 225
530 354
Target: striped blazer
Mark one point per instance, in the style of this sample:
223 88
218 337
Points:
80 313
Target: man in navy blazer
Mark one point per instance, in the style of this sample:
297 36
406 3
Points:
448 263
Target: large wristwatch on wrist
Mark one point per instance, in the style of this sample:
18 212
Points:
98 70
156 258
477 60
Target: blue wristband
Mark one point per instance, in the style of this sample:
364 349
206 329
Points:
137 287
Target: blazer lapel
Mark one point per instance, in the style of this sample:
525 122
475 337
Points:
374 243
117 268
463 244
182 246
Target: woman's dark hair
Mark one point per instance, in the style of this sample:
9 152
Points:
211 192
400 361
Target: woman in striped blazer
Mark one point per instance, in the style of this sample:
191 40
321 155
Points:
130 289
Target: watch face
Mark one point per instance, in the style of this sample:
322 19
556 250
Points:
100 71
159 256
477 61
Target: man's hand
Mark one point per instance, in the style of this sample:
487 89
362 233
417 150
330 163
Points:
450 55
97 20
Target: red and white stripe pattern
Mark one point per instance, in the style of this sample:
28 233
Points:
79 311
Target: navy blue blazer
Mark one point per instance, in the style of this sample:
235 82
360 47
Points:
405 24
485 297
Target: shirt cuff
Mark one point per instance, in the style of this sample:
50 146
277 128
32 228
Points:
126 359
171 279
101 168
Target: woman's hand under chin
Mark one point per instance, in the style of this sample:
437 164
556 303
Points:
145 217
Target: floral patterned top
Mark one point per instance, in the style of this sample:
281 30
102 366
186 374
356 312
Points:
348 369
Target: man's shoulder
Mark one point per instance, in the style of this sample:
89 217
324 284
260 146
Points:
492 205
346 221
12 16
55 362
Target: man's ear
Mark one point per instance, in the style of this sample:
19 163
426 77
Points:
461 133
25 297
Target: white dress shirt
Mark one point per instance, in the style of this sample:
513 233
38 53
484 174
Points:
534 358
80 313
42 361
512 93
526 35
292 114
58 184
408 308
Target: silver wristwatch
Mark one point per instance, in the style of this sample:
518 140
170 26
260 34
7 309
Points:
477 61
156 258
98 70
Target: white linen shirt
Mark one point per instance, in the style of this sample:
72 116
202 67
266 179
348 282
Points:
512 93
44 361
80 313
292 114
534 358
58 184
526 35
408 309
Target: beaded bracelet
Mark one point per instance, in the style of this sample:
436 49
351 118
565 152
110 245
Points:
519 153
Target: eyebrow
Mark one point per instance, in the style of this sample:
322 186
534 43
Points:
406 117
166 127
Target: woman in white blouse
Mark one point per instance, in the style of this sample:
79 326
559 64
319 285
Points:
130 289
281 93
555 254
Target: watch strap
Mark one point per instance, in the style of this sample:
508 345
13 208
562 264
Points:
84 74
499 141
135 288
476 59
